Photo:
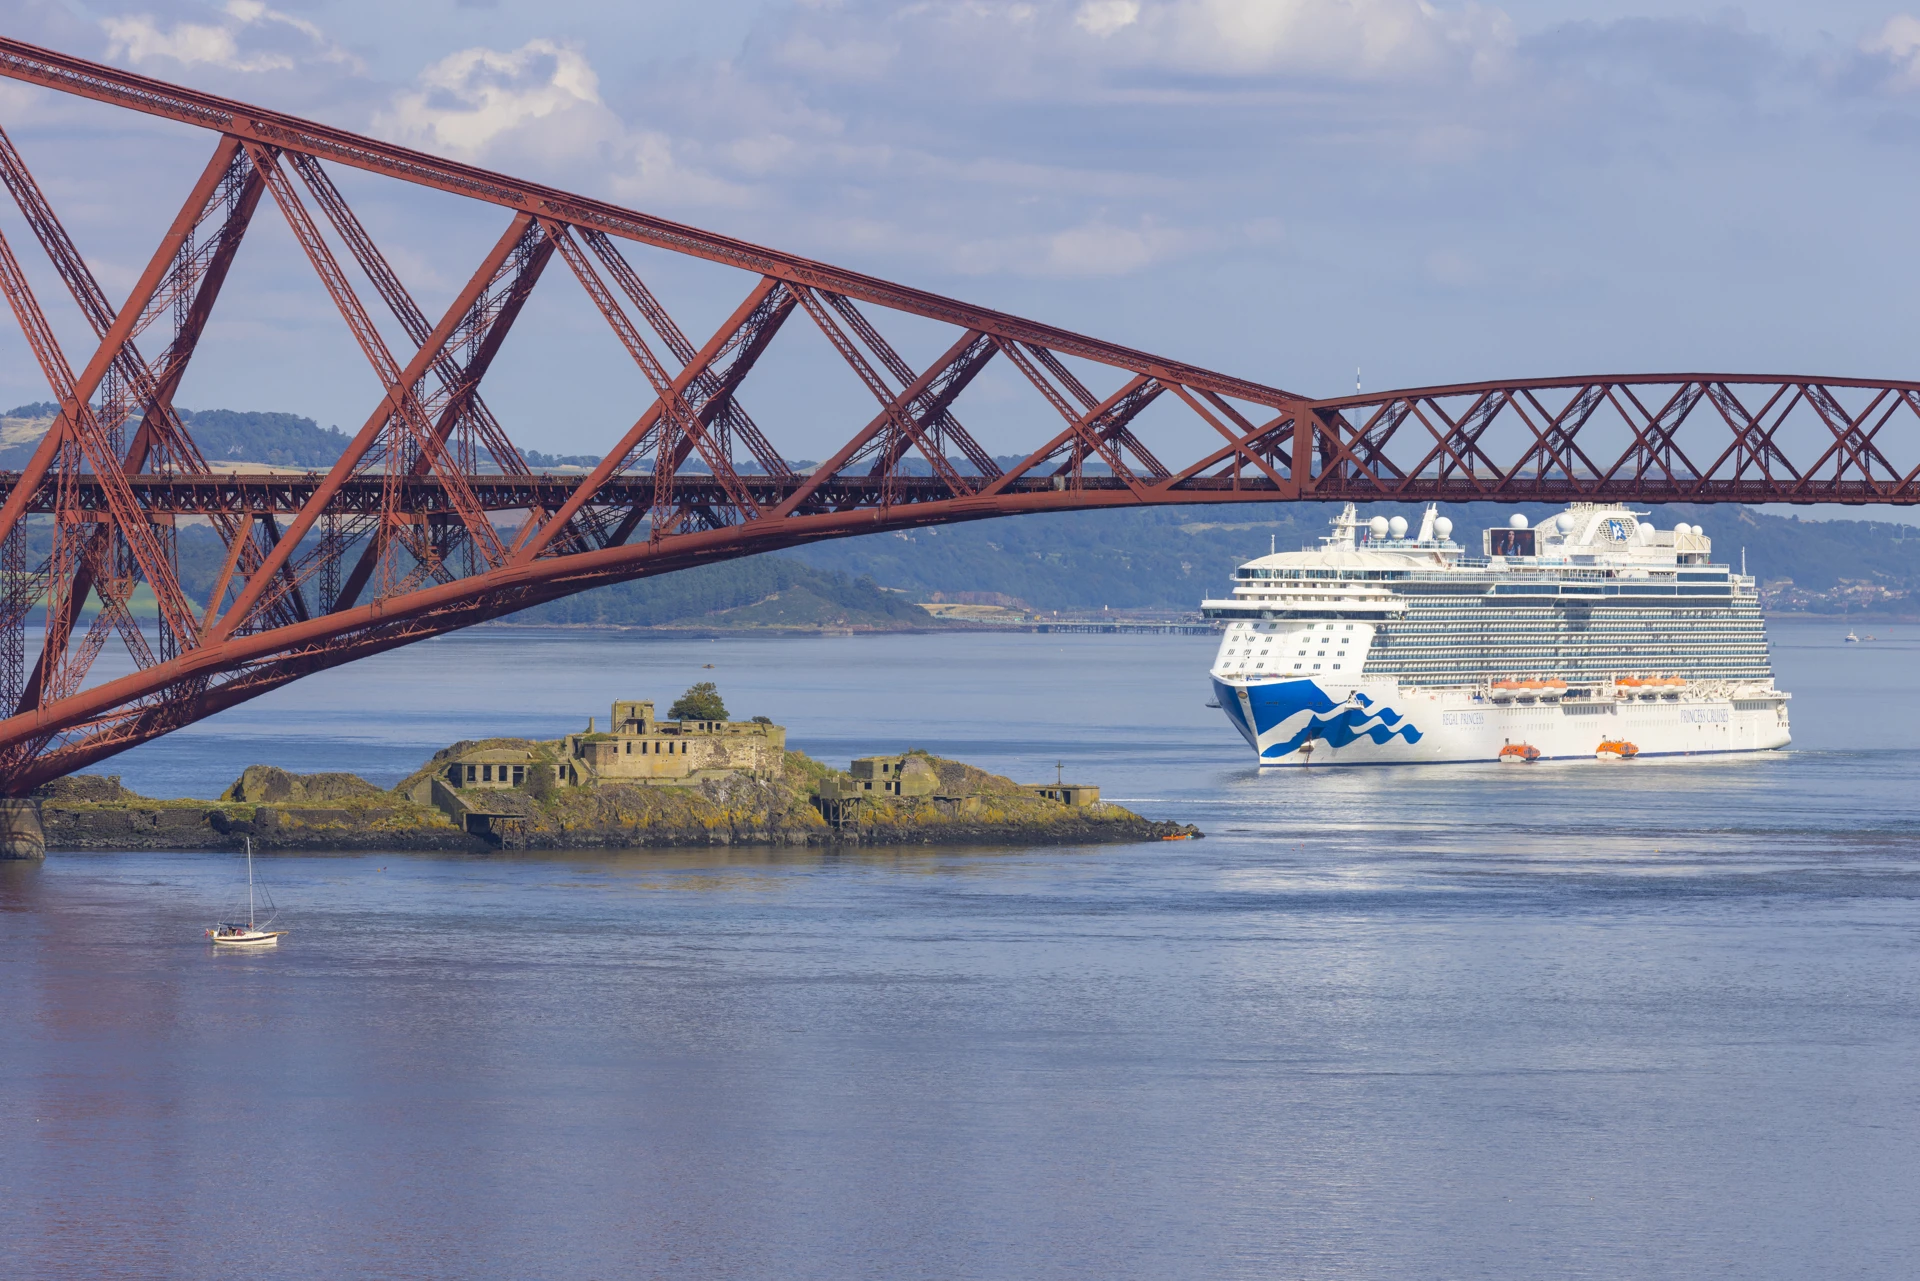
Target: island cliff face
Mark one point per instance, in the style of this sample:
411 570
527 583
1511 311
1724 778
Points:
283 811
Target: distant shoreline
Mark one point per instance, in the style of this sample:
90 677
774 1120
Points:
1061 626
1861 619
1055 627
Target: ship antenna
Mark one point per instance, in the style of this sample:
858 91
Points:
1273 548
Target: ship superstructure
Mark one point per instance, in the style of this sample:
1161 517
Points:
1588 628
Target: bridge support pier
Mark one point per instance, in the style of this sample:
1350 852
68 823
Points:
21 836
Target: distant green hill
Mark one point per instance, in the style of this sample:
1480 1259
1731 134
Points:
278 440
233 435
759 592
1170 557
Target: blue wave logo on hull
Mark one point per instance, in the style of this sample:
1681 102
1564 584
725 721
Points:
1259 710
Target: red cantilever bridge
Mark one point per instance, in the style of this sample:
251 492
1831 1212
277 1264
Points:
431 519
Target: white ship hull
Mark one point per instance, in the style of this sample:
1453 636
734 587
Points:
1293 723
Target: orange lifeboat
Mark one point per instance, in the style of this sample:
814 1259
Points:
1615 749
1519 754
1628 680
1555 683
1506 685
1533 684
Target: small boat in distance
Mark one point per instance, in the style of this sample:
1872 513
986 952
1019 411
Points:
1852 639
249 934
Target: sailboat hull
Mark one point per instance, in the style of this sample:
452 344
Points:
253 938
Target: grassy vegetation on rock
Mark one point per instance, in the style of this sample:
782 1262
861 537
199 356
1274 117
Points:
279 810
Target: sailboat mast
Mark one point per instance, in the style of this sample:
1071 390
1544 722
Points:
249 882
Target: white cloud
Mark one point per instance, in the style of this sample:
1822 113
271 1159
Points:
1104 17
1899 42
252 37
1357 39
539 106
141 40
469 100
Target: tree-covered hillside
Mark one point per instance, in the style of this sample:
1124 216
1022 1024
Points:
224 435
760 591
279 440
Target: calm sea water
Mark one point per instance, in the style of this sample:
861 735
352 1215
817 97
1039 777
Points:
1658 1020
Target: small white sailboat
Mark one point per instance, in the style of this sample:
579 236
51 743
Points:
251 933
1852 639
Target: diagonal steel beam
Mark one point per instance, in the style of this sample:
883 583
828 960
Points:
900 406
349 461
463 384
728 413
718 345
677 422
400 390
88 381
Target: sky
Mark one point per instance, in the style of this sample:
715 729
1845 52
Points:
1285 190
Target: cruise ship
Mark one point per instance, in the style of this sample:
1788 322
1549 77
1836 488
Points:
1592 635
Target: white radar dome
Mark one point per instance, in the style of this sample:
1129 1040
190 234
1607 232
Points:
1517 521
1683 528
1377 526
1443 529
1397 527
1645 533
1564 522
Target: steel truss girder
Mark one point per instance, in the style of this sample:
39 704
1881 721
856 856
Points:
1433 443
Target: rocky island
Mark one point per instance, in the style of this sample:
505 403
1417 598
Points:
694 779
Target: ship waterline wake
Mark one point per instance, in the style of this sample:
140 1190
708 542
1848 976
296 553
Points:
1591 634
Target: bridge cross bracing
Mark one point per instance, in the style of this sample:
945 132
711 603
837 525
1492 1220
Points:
431 519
